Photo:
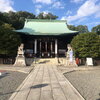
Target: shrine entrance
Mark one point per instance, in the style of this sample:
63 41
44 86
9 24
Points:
46 47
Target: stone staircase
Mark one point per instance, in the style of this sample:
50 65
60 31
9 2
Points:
45 61
66 62
54 61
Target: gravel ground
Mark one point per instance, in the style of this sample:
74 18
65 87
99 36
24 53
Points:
86 82
9 83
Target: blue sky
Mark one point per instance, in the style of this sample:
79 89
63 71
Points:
76 12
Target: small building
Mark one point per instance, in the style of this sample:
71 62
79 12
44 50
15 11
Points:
45 38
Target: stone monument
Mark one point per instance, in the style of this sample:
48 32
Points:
20 59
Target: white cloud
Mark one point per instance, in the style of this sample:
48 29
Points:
38 6
45 13
43 1
81 21
37 11
76 1
57 5
6 5
93 23
68 12
63 18
98 15
88 8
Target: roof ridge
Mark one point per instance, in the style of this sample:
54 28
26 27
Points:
44 20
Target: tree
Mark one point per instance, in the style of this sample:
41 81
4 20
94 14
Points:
2 18
82 28
46 16
25 14
9 40
22 15
72 27
96 29
17 19
86 45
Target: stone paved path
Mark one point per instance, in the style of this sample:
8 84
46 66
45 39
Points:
46 83
14 68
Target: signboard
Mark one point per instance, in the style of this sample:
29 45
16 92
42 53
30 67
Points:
89 61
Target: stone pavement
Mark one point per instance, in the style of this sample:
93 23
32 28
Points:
14 68
46 83
66 69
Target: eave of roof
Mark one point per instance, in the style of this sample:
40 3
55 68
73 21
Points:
45 27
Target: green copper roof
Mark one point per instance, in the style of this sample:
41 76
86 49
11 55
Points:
45 27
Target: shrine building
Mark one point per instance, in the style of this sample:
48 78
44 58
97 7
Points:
45 38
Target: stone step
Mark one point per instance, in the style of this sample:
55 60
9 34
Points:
45 61
66 62
55 61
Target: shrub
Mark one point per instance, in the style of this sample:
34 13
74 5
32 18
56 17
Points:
86 45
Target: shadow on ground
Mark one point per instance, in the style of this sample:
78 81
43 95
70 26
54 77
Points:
44 62
4 75
38 86
32 87
99 98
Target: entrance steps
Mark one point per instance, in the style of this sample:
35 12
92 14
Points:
65 62
46 61
55 61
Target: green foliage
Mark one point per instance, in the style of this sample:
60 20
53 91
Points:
80 28
9 40
86 45
96 29
46 16
72 27
16 19
2 18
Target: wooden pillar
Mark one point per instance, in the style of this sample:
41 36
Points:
46 46
56 48
35 47
51 49
40 48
